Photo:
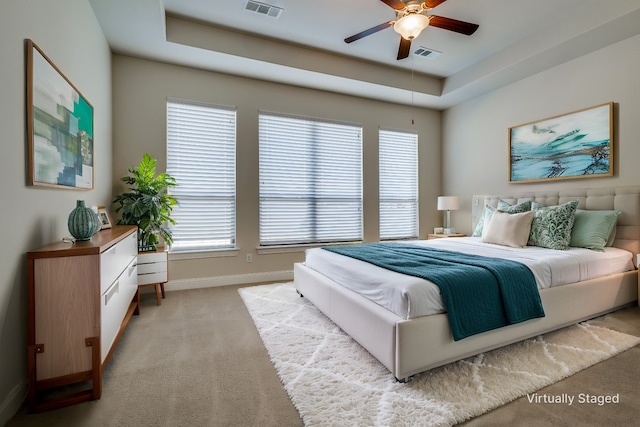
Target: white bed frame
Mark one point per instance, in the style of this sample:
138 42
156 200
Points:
408 347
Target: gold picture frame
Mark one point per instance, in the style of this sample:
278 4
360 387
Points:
573 145
59 127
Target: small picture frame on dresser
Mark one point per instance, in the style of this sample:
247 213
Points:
105 220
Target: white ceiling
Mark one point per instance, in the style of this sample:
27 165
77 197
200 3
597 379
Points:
305 45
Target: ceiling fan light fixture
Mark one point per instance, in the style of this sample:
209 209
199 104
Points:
411 25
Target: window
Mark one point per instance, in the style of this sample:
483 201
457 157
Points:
310 181
398 185
201 155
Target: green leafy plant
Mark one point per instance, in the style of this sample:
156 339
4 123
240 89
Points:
147 203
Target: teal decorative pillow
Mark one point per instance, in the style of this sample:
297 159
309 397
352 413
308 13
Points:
552 225
592 229
517 208
480 225
503 206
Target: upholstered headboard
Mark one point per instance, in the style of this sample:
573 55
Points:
624 199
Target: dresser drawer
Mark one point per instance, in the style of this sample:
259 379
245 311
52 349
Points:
152 257
114 260
114 304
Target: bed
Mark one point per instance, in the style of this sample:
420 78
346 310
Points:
410 343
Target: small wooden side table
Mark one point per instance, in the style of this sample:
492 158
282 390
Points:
441 236
153 271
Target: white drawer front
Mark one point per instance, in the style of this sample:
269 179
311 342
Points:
115 259
152 268
146 279
130 279
152 257
157 267
115 302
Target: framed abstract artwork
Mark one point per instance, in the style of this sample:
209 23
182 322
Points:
573 145
59 127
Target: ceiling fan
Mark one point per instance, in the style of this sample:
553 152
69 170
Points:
411 19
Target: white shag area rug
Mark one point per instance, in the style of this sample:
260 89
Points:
333 381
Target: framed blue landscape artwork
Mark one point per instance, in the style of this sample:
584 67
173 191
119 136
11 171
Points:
59 127
573 145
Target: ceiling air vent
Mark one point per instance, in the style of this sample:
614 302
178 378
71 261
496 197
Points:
426 52
263 8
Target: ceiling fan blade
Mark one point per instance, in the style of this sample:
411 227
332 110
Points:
368 32
396 4
403 50
454 25
433 3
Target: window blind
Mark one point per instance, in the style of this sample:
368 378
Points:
310 180
398 184
201 152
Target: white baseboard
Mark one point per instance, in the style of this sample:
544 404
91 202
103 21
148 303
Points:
235 279
12 403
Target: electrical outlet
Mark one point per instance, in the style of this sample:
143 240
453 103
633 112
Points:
249 257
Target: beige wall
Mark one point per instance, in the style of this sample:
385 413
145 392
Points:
69 34
475 137
140 91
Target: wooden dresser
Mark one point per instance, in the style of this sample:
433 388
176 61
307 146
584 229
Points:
80 298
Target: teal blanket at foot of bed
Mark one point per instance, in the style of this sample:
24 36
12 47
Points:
479 293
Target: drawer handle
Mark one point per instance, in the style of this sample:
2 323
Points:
114 290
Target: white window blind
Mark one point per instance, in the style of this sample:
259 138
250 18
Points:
310 181
201 155
398 185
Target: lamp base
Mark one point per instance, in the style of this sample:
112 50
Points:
449 231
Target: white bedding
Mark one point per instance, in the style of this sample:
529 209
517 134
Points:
411 297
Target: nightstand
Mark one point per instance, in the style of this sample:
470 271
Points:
441 236
152 271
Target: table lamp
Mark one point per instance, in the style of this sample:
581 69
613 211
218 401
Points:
448 204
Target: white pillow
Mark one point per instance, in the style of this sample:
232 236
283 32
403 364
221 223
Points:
509 229
502 206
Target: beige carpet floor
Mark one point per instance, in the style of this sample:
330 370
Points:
197 360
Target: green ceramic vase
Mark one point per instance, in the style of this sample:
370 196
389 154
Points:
83 222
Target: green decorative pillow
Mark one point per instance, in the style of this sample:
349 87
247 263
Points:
517 208
612 237
486 213
503 206
552 225
592 229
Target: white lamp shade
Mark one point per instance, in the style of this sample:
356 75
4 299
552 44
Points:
410 26
448 203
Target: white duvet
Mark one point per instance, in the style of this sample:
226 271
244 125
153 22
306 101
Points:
410 297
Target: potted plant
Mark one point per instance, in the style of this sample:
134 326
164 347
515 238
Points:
147 204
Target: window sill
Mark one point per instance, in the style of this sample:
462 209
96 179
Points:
211 253
283 249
